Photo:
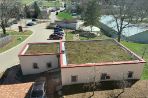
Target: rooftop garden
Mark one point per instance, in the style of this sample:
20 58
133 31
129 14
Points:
45 48
95 52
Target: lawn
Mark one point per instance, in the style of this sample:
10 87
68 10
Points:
27 32
82 52
48 4
27 1
84 36
138 49
65 16
17 38
43 48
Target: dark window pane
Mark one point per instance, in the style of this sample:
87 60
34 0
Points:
103 76
130 74
49 65
35 66
74 78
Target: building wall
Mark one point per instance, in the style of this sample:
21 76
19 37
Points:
87 74
140 38
27 63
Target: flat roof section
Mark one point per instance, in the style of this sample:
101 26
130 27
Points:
100 51
42 48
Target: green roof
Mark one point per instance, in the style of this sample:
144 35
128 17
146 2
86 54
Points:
81 52
43 48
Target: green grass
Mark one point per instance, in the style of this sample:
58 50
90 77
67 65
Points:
138 49
46 4
17 38
95 52
27 1
43 48
65 16
15 41
70 35
27 32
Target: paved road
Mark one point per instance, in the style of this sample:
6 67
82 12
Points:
10 57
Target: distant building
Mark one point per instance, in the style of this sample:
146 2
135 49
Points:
82 61
135 33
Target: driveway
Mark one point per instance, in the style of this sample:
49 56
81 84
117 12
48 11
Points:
40 34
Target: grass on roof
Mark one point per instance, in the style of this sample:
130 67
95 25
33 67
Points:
43 48
95 52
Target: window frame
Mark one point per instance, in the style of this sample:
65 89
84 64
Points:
105 76
130 74
35 66
74 78
47 64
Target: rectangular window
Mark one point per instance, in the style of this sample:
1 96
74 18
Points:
49 65
105 76
35 66
130 74
74 78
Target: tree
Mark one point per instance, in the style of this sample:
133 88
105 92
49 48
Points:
27 12
92 14
125 12
94 84
37 10
7 12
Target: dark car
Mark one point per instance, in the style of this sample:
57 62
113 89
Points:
30 24
53 10
33 19
38 90
57 29
55 37
59 33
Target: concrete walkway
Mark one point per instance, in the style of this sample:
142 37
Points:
40 34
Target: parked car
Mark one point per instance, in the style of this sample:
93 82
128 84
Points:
55 37
59 33
38 90
33 19
30 24
57 29
53 10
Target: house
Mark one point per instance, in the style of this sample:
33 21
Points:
70 24
39 57
83 61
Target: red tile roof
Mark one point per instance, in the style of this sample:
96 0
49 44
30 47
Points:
15 90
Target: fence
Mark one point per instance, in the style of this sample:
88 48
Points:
5 40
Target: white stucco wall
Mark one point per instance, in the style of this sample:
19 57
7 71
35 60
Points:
27 63
86 74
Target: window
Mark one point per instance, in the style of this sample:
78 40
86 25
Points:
49 65
130 74
35 66
105 76
74 78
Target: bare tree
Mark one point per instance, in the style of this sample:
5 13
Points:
125 12
94 84
8 10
